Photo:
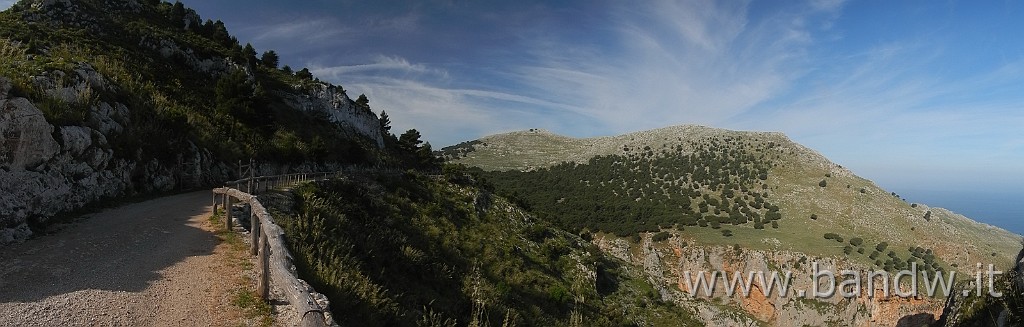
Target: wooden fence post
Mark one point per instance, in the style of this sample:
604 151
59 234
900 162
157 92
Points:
227 212
254 232
312 319
263 286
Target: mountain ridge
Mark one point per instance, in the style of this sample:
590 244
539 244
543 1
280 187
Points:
674 195
803 181
458 152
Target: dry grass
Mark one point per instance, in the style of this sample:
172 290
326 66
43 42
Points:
255 311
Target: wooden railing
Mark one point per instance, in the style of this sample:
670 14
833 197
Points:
268 244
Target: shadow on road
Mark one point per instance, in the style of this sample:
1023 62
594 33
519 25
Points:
120 249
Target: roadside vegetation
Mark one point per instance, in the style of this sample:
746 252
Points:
254 310
408 249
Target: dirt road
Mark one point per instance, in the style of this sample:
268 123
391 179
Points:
154 263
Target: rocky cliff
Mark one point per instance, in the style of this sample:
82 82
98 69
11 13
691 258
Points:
51 169
665 263
332 101
106 99
1005 311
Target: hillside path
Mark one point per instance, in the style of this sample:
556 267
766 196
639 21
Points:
153 263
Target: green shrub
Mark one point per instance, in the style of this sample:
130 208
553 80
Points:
881 247
661 236
856 241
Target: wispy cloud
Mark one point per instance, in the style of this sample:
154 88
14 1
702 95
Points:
424 97
307 30
667 62
886 115
735 64
382 64
674 62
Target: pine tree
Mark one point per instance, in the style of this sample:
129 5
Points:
249 54
270 59
410 140
385 122
178 14
304 74
363 102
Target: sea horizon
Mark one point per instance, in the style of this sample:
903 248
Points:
1001 209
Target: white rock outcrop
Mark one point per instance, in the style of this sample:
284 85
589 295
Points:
333 102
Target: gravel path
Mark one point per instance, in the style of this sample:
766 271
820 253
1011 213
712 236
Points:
154 263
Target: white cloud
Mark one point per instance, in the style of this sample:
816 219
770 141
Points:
381 63
666 62
308 30
420 96
674 62
6 4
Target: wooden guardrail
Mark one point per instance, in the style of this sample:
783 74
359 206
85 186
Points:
268 244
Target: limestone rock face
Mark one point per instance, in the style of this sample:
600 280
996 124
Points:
43 176
171 50
46 170
666 268
25 135
333 102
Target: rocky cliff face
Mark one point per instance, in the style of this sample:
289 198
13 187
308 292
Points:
334 103
665 264
47 169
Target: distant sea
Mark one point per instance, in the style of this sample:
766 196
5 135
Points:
1005 209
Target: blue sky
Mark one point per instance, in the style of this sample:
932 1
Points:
918 96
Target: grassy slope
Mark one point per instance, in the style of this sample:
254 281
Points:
874 215
409 250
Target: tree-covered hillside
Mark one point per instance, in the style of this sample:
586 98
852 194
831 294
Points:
412 250
718 182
